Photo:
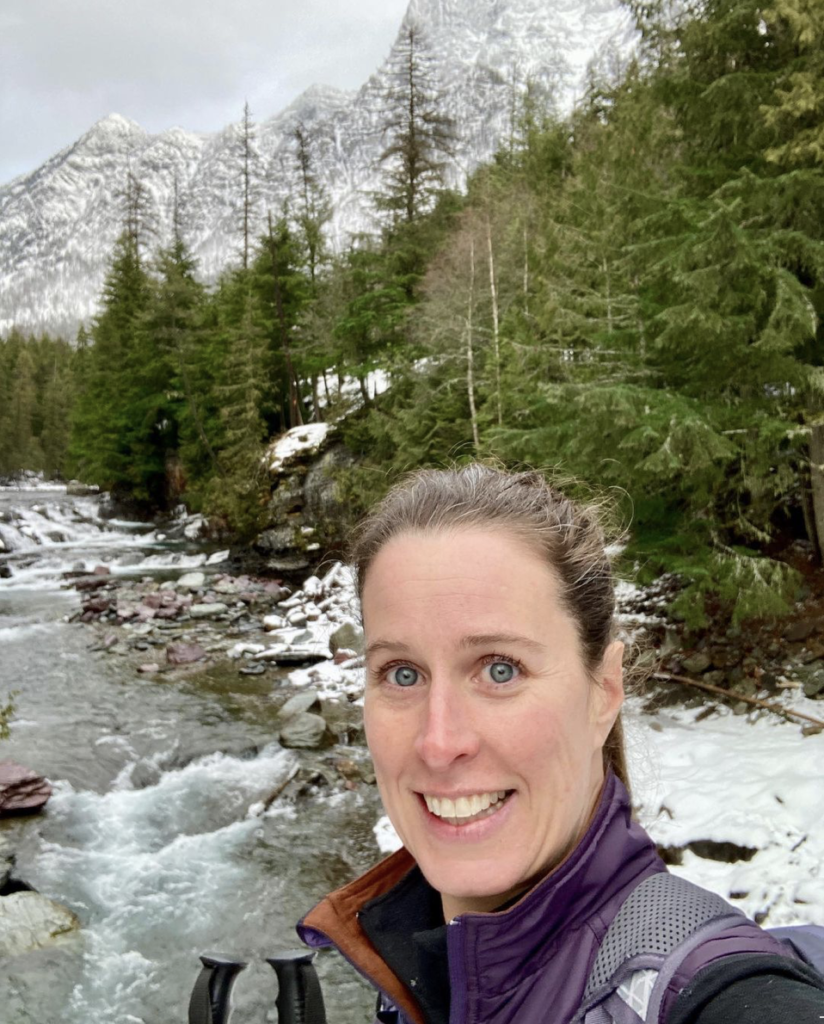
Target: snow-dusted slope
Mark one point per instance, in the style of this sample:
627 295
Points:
58 224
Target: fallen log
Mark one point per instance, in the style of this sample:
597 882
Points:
732 695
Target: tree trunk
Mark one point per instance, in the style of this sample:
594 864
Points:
526 271
817 483
470 359
496 336
316 400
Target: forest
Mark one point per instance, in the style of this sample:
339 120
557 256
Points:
628 297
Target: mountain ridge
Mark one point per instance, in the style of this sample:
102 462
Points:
59 222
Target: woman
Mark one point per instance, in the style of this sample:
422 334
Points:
492 713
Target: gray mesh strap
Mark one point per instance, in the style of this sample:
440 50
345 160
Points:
673 962
656 917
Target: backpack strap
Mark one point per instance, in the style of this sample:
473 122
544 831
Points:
666 930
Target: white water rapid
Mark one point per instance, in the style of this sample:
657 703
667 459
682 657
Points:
154 835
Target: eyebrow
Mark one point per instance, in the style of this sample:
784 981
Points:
473 640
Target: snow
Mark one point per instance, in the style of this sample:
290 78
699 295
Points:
299 441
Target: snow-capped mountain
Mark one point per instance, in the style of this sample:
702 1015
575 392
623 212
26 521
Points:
59 223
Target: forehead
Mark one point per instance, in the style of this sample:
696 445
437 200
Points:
490 576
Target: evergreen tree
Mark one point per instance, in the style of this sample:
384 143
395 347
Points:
314 208
420 137
112 415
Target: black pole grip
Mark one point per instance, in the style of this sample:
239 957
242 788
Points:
210 1001
300 999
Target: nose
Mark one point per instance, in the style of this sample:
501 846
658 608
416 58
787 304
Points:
448 731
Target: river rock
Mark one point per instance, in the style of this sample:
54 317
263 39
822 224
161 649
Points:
184 654
7 859
76 489
208 611
300 702
347 636
91 582
303 730
697 663
22 790
253 668
29 921
273 622
191 581
5 572
796 631
149 669
812 679
295 654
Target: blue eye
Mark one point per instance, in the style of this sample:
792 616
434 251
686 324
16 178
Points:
501 671
403 676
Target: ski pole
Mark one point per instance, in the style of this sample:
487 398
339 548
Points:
210 1000
300 999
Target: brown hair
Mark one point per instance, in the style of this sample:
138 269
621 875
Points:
566 534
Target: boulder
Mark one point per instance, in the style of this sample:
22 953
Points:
29 921
347 636
22 790
697 663
91 582
184 654
191 581
797 631
303 701
208 611
303 730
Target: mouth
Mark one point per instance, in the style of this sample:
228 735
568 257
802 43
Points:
465 809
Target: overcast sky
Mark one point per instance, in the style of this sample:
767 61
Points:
64 64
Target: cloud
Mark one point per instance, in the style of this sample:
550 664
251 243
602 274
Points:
66 63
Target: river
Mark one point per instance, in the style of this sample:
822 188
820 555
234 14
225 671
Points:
148 836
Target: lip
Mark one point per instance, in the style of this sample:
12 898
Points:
475 831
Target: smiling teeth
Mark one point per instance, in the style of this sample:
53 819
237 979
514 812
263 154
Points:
465 807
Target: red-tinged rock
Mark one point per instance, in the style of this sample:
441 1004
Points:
126 611
168 597
154 600
184 654
97 604
167 612
88 616
22 791
109 640
91 582
101 570
144 613
342 655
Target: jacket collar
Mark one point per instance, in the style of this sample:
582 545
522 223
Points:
588 887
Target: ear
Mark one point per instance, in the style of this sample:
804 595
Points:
608 693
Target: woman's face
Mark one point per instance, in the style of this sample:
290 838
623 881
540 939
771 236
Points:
484 727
